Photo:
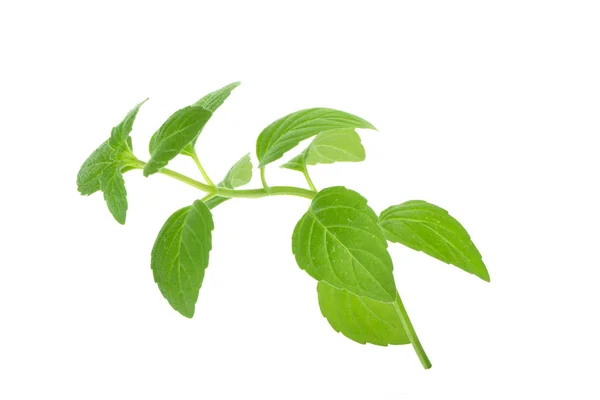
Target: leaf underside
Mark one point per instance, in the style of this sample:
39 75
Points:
428 228
336 145
285 133
119 135
180 256
115 194
239 175
359 318
103 169
88 177
340 242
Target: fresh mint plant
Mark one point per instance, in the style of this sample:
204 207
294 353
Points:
340 241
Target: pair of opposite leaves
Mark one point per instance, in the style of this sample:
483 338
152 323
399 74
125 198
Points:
340 241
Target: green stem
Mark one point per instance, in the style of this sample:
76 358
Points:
410 331
186 179
311 185
263 179
202 171
208 197
233 193
270 191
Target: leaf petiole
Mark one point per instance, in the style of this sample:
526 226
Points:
263 179
208 197
410 331
311 185
194 156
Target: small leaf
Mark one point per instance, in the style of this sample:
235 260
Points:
239 175
359 318
172 137
88 177
297 163
339 241
336 145
211 102
120 133
104 168
115 194
180 256
430 229
285 133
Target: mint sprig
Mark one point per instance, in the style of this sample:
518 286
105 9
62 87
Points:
340 241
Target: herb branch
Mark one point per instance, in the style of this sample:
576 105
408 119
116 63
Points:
340 241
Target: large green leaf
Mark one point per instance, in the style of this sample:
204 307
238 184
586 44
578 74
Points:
336 145
211 102
339 241
115 194
285 133
239 175
119 135
180 256
176 133
359 318
430 229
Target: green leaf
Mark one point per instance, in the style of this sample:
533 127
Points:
180 256
211 102
88 177
297 163
115 194
339 241
239 175
336 145
215 99
172 137
120 133
430 229
359 318
103 169
285 133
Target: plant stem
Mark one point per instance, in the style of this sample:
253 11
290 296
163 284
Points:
271 191
263 179
410 331
207 197
311 185
202 171
186 179
233 193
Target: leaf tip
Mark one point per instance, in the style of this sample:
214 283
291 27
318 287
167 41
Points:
368 125
122 218
484 275
187 313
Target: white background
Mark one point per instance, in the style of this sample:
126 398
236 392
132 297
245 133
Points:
488 109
